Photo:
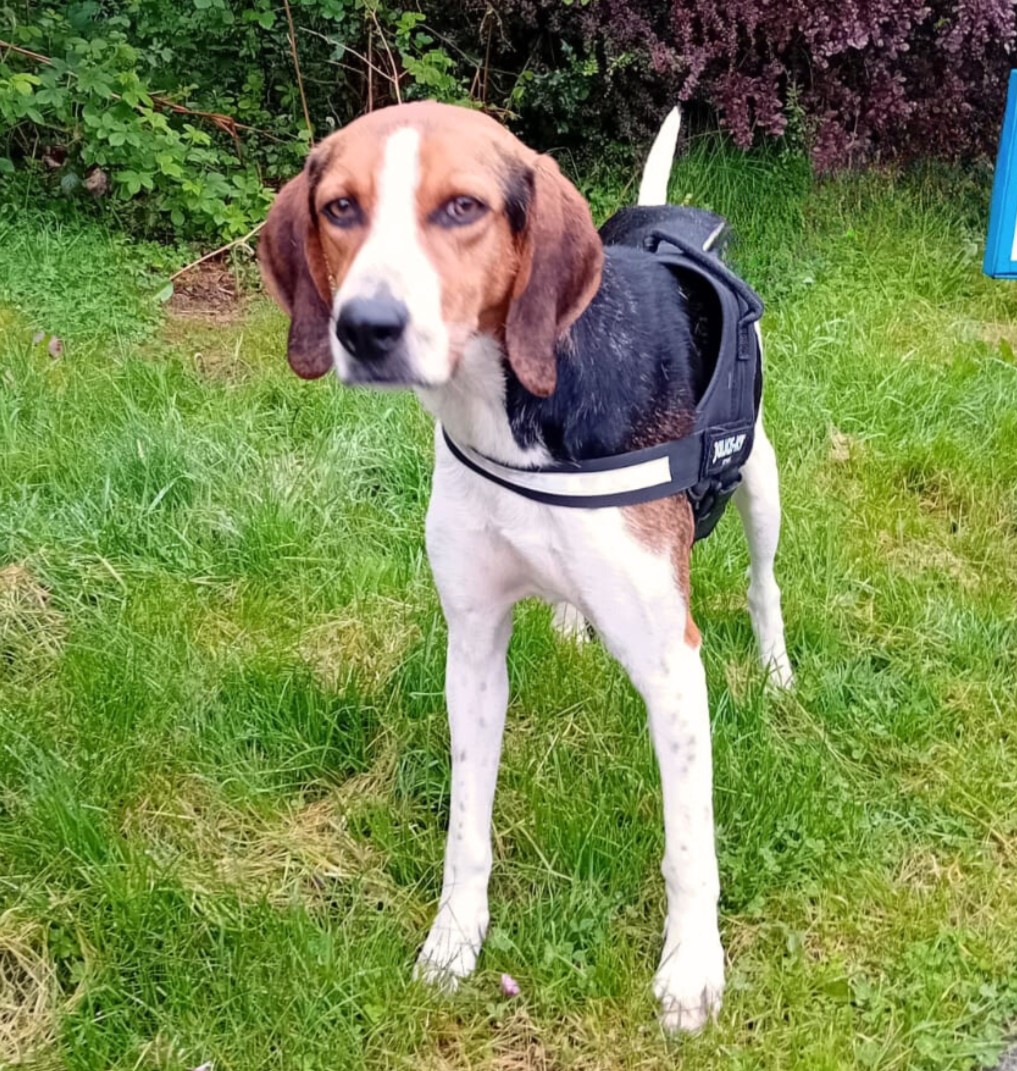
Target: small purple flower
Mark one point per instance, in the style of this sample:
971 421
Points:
509 986
56 347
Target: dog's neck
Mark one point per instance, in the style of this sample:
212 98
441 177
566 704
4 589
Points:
471 406
626 379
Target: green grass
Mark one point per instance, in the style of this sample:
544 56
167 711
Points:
223 772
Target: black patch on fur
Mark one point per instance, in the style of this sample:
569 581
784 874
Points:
517 186
630 225
628 370
634 366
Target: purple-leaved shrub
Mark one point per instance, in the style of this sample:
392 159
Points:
862 78
858 79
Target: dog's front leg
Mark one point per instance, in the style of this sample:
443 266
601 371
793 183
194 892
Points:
643 620
690 979
476 687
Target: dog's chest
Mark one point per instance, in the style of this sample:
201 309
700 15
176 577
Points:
527 548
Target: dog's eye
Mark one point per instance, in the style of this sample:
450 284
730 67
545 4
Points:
458 211
344 212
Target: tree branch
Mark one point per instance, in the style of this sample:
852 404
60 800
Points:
215 252
296 67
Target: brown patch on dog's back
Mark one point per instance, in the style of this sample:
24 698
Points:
667 525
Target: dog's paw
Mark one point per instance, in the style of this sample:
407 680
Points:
779 675
451 949
689 983
569 623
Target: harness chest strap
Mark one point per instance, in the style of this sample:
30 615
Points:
624 480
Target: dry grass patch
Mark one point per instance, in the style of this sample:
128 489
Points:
216 348
371 636
744 677
367 639
165 1054
32 632
916 556
30 993
222 629
518 1046
996 332
844 446
305 852
923 870
514 1043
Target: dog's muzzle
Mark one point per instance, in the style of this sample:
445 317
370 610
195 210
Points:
372 328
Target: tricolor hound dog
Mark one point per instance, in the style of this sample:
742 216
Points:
424 246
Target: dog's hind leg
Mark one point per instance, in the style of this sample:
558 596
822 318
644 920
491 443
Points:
758 502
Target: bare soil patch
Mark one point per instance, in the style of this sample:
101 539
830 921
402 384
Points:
209 293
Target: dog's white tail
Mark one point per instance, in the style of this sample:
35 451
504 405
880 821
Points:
653 188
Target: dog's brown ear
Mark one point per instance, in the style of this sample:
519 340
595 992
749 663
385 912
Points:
294 270
559 272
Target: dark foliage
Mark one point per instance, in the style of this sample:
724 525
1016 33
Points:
110 118
854 79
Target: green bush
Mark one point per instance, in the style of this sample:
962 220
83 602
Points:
182 118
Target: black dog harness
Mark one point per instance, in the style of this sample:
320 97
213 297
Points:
705 464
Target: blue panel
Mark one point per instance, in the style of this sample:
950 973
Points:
1001 247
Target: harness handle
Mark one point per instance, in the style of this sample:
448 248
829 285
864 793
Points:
709 262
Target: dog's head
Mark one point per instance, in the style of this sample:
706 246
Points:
413 230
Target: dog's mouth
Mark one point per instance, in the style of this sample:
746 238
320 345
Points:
393 374
397 369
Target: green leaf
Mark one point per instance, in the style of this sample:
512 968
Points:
165 294
6 165
838 988
23 83
130 179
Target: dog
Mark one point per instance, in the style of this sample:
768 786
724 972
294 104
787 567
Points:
425 246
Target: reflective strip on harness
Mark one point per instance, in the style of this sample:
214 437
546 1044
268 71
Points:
624 480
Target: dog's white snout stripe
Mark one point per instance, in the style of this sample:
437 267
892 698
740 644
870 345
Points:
392 261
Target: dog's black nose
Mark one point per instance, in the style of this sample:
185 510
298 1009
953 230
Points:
370 327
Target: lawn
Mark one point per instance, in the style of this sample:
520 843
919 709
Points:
223 771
